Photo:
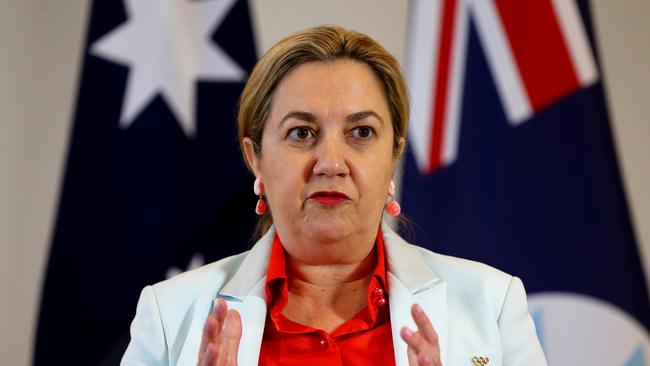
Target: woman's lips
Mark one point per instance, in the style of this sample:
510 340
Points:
329 198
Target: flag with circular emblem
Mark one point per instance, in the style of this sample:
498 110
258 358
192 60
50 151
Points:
511 162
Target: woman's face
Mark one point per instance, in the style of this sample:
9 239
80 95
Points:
327 154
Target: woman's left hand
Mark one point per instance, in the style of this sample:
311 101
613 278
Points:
423 348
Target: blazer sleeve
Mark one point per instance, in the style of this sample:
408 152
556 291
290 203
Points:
148 345
517 330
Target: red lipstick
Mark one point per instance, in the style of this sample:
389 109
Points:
329 198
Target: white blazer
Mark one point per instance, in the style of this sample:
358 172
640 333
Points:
476 309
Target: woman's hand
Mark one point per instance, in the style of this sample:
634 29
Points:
221 335
423 348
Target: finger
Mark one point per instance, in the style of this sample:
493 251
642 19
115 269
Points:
212 333
209 357
220 309
232 328
206 341
412 357
424 360
420 352
209 331
231 336
415 341
424 325
213 324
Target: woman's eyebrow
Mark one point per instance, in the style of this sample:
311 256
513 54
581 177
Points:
303 116
310 117
354 117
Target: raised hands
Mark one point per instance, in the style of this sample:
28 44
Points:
223 329
423 347
221 335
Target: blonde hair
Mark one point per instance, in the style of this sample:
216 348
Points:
325 44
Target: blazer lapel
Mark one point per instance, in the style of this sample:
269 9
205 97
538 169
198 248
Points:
252 309
410 281
253 316
245 293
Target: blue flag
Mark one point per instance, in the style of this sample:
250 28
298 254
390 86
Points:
511 162
154 181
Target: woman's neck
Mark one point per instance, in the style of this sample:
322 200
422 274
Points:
326 296
331 274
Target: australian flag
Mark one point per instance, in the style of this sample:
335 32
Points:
511 162
154 182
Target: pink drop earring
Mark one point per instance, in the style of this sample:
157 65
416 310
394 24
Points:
258 188
392 207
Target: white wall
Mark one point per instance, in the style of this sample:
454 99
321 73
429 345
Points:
40 51
623 31
40 44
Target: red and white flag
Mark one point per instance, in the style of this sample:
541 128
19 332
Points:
537 52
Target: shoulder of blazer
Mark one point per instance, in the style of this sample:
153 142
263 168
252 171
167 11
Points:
467 281
194 291
470 285
201 284
470 281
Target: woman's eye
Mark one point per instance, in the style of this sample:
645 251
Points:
300 133
363 132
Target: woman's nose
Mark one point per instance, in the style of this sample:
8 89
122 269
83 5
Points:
330 158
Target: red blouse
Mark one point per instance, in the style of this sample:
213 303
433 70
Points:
366 339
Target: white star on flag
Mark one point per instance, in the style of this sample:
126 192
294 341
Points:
167 47
196 261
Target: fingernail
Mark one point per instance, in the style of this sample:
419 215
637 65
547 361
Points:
417 309
217 305
407 332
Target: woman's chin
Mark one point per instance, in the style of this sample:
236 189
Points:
329 229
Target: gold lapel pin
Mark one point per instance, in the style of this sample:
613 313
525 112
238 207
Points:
480 361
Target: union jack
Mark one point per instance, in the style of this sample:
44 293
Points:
537 52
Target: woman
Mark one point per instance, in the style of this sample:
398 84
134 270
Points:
322 124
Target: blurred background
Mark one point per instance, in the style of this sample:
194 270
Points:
42 55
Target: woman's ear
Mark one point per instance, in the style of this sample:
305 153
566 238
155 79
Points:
252 158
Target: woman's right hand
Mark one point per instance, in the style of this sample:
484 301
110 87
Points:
221 335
